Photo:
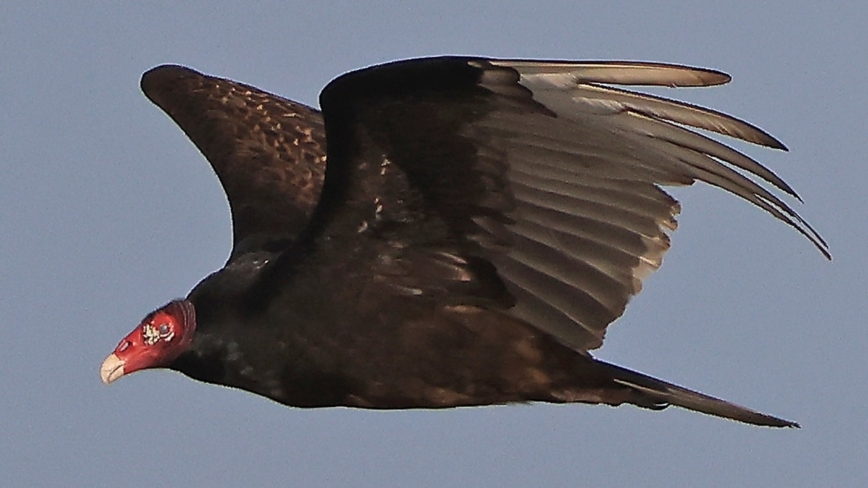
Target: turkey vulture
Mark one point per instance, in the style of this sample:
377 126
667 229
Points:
476 227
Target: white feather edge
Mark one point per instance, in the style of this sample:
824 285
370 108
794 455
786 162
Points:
568 88
565 73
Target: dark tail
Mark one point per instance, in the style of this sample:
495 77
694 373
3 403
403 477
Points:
657 394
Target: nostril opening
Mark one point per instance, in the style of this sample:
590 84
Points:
124 345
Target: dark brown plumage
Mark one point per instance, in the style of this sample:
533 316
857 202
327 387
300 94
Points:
480 224
248 136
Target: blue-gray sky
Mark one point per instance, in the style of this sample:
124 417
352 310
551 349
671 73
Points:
107 211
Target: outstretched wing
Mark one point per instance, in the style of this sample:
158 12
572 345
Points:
268 152
524 185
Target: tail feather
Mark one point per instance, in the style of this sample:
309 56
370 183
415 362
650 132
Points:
658 394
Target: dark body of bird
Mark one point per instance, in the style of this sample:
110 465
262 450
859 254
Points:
476 226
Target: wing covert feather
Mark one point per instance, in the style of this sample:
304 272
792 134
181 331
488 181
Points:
267 151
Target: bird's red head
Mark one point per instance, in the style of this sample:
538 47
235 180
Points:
161 337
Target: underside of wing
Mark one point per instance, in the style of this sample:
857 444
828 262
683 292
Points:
538 168
268 152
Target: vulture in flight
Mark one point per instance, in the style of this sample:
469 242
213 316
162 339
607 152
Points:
446 232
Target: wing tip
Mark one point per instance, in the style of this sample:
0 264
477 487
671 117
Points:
160 77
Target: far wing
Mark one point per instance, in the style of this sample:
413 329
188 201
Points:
471 174
268 152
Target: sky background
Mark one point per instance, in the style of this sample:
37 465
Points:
107 211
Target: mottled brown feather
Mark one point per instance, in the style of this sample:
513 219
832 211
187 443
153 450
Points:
267 151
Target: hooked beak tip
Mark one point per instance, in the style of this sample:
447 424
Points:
112 368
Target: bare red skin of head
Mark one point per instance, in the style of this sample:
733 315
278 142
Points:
161 337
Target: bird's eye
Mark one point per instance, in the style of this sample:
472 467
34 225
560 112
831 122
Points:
164 329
